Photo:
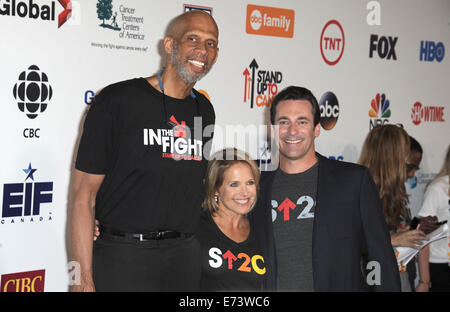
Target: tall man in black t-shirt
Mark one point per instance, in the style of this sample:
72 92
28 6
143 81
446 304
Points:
139 171
314 215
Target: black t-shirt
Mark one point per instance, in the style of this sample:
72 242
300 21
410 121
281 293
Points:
153 171
227 265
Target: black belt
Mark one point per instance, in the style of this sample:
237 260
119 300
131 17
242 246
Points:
155 235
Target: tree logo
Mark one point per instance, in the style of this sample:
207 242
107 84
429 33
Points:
105 13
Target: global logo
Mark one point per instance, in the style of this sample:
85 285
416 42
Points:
379 110
329 110
332 42
32 92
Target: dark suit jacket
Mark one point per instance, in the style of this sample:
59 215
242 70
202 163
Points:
348 219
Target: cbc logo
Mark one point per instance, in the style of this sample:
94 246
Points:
256 19
32 92
329 110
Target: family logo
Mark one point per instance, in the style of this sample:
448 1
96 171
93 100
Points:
29 9
421 113
217 260
32 92
31 281
176 142
379 111
332 42
267 82
23 200
269 21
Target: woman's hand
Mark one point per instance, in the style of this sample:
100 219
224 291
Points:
408 238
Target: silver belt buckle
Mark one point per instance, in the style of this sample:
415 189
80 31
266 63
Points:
141 238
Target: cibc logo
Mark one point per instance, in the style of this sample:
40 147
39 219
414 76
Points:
31 281
379 111
431 51
332 42
329 110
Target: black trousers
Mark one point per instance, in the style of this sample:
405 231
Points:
440 277
156 265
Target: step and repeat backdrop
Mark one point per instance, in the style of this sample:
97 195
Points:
368 62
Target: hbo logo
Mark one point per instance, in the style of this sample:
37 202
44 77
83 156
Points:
430 51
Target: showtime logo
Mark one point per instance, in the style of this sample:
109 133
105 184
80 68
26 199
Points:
269 21
421 113
31 281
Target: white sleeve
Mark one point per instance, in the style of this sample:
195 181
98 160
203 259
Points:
430 202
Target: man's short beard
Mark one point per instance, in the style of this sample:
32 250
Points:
181 66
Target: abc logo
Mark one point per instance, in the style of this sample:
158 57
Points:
329 110
256 19
32 91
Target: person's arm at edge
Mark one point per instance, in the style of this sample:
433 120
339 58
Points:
85 188
424 270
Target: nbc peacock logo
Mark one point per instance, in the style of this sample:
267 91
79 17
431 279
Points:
379 111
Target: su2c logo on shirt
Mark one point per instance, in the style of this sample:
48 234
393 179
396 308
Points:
217 260
287 205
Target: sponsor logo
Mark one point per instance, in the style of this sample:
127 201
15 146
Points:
192 7
31 281
421 113
329 110
332 42
267 82
379 110
29 9
242 262
306 206
269 21
130 26
431 51
384 46
176 143
23 201
32 91
89 97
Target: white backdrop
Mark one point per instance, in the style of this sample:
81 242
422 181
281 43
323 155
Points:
86 53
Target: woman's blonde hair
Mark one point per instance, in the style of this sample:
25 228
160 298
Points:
384 152
219 163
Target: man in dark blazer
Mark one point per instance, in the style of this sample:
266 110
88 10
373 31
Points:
319 247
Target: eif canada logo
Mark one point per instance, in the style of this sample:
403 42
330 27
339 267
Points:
379 111
28 200
31 10
260 85
32 92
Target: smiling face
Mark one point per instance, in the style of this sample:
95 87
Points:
193 46
296 132
237 194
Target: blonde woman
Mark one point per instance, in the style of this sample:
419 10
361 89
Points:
231 257
385 152
434 258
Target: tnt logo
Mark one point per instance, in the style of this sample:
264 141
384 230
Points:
379 111
32 281
430 51
25 199
384 46
267 82
332 42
